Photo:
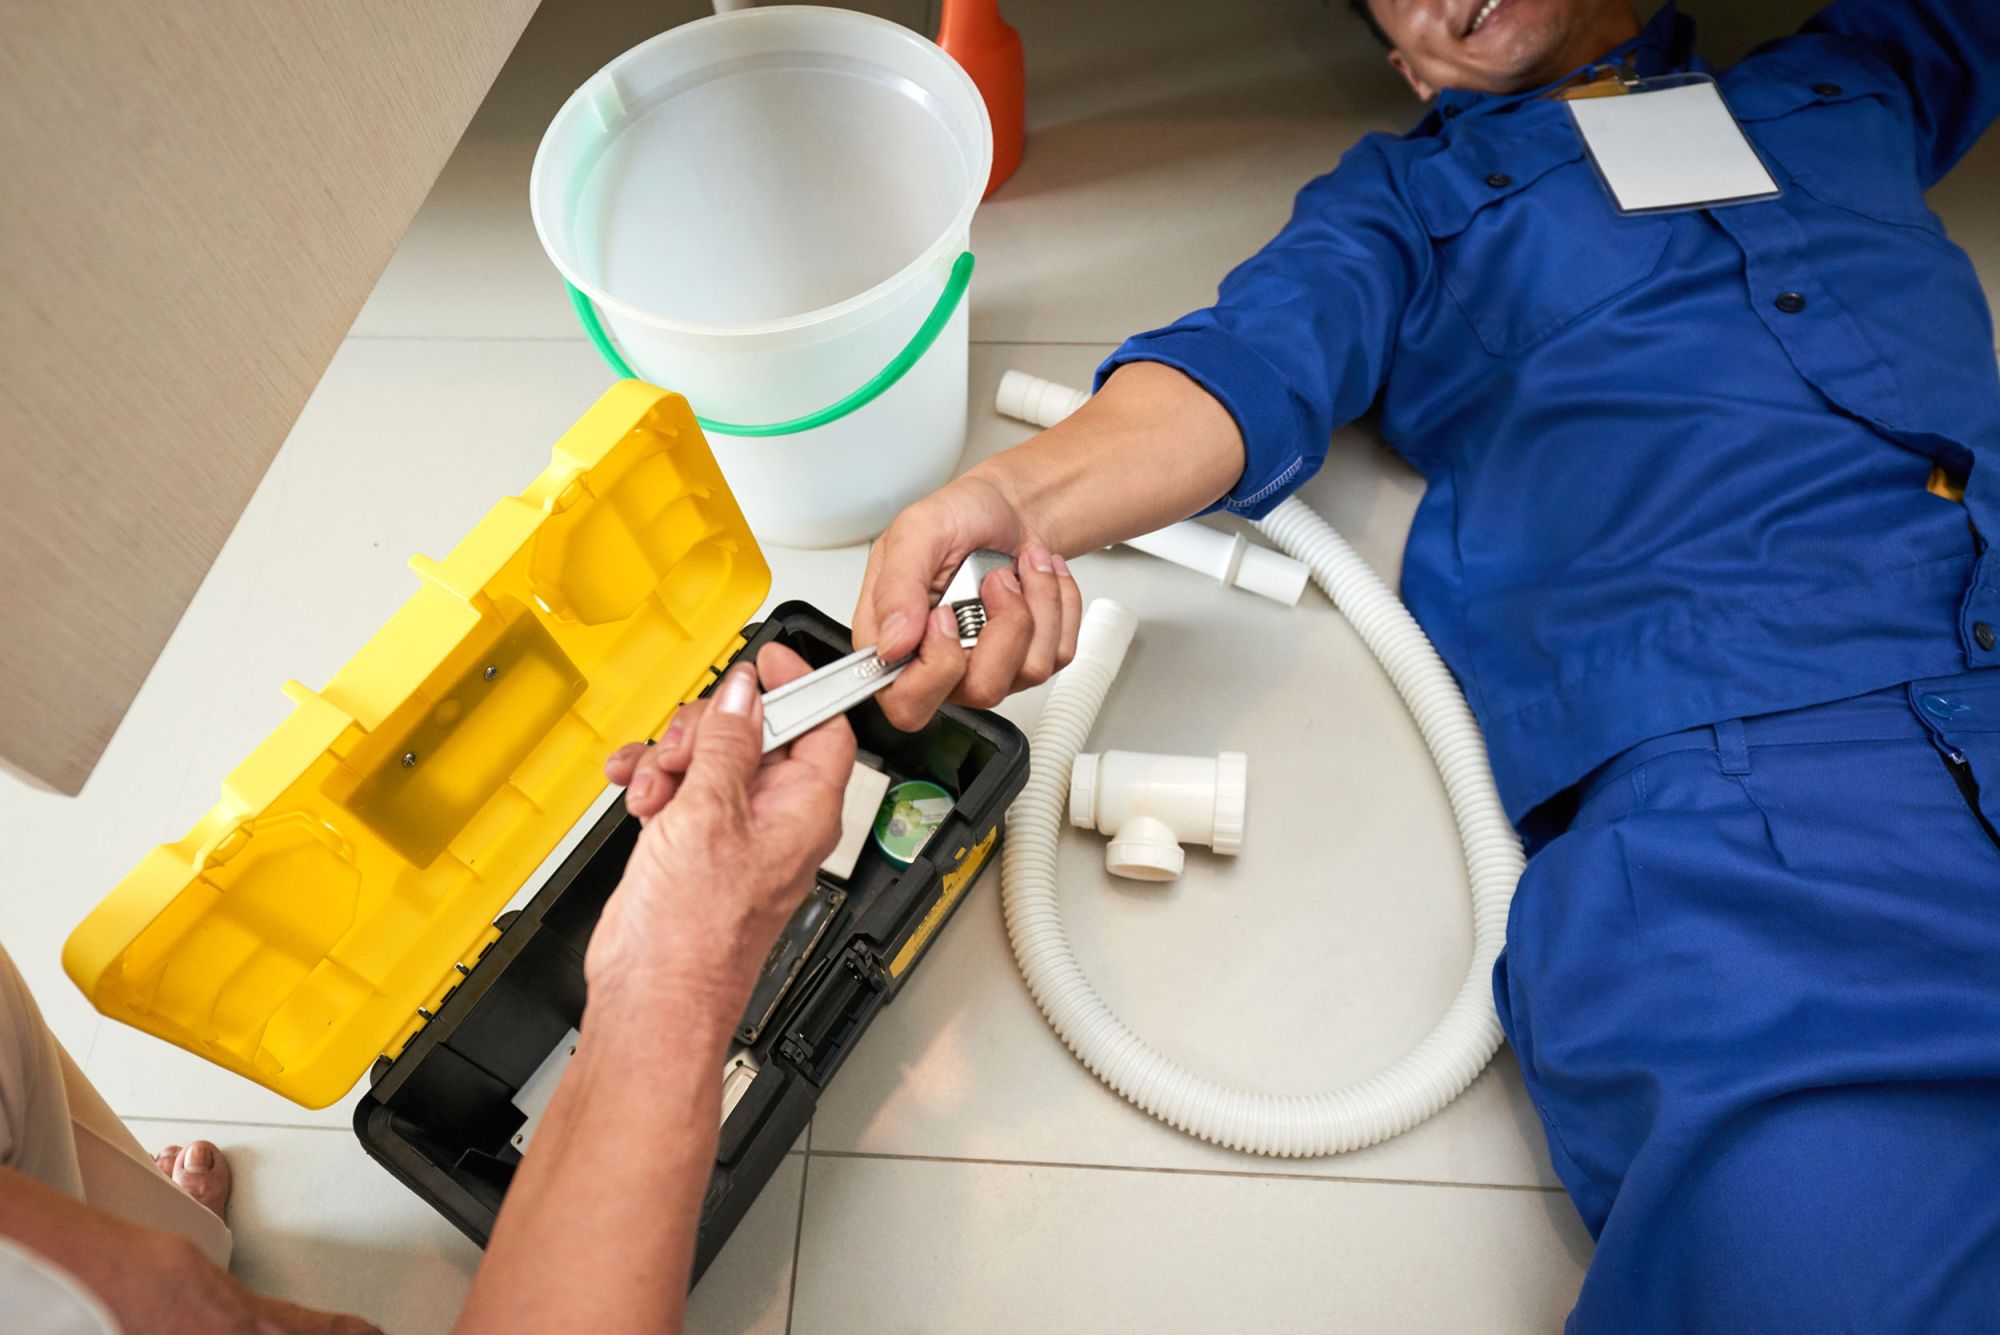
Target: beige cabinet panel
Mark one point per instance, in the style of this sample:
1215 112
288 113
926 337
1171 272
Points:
197 198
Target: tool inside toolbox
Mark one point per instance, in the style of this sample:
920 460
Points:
456 1095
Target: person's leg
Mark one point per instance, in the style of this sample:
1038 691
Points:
121 1178
1755 991
1864 1207
57 1129
35 1134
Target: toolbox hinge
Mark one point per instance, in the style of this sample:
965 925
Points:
707 675
434 1002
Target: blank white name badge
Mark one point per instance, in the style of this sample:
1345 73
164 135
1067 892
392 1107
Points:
1670 143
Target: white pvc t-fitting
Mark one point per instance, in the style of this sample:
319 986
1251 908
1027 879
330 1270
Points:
1150 805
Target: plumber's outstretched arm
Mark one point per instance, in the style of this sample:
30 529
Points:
1150 448
598 1229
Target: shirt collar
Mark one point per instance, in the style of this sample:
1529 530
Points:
1664 45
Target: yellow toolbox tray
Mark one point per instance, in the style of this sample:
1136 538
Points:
315 917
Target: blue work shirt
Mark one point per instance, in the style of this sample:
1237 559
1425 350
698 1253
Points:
1677 463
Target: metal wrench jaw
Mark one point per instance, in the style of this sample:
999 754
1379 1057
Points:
804 703
962 595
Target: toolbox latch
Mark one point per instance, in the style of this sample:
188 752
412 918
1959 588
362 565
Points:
866 967
818 1037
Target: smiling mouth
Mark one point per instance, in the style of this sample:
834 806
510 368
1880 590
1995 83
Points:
1480 15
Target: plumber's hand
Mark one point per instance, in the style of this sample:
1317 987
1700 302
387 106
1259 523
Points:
1031 620
731 841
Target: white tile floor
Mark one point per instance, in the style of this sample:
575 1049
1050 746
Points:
964 1174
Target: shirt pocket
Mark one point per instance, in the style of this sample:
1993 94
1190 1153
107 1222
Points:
1844 138
1526 238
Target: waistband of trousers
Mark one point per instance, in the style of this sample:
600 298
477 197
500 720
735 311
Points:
1879 716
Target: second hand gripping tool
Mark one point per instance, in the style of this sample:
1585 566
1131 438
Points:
799 706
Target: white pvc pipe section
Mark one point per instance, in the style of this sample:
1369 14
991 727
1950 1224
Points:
1038 402
1285 1125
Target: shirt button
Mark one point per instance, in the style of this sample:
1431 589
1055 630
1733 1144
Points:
1499 180
1827 89
1791 303
1451 112
1983 632
1936 706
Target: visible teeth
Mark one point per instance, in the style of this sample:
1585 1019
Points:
1485 13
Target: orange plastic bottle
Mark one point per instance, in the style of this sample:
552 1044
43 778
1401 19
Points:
973 33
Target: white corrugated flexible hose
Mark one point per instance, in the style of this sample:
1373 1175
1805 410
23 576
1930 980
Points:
1385 1104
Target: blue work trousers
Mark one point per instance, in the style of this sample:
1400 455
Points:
1755 990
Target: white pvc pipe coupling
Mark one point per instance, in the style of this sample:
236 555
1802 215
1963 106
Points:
1229 557
1150 805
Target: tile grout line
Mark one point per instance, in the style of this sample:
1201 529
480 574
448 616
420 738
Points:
809 1153
799 1231
1185 1172
574 339
1046 342
231 1122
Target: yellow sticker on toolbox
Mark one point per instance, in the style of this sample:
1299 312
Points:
954 883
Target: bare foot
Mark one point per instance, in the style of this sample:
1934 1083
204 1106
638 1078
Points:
200 1170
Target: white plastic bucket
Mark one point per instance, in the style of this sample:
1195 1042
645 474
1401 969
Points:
764 207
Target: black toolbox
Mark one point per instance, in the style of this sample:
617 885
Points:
441 1116
340 911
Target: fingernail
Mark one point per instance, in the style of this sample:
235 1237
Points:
1062 567
894 622
1041 559
739 691
201 1158
944 623
642 786
1010 581
674 732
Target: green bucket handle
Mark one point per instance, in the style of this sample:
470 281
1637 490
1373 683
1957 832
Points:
920 343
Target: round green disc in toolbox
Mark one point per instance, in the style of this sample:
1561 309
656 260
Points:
908 817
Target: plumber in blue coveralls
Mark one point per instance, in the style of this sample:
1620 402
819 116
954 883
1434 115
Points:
1714 482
